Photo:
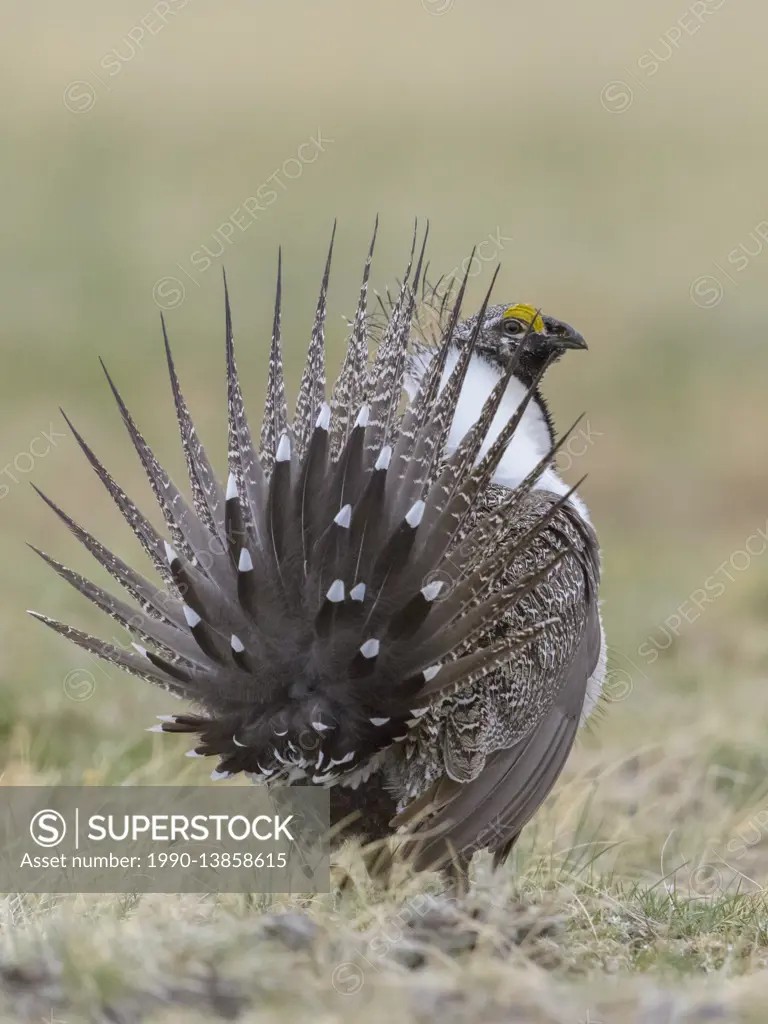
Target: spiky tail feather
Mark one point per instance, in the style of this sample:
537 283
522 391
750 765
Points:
297 612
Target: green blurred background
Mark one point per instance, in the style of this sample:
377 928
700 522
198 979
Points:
612 157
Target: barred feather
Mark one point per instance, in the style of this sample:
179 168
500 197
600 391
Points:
348 392
275 419
206 493
312 387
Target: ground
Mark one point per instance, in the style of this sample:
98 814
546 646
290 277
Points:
635 896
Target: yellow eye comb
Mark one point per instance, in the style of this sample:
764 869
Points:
526 315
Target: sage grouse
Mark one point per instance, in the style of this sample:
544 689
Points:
396 602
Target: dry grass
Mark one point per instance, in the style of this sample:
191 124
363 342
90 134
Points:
638 890
637 896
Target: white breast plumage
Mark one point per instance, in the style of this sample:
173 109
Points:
530 443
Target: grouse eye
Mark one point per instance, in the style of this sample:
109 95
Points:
512 327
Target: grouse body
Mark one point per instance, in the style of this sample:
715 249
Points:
398 602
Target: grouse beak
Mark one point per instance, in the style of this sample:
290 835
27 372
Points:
559 336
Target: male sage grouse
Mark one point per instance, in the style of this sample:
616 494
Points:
394 599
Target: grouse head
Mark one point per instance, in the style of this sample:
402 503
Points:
520 332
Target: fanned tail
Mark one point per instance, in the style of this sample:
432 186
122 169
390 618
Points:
302 610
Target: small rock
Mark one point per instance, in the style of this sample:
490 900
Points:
296 931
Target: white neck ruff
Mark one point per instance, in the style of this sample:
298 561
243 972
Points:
531 441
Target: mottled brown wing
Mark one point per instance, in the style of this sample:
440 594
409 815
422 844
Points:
490 811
